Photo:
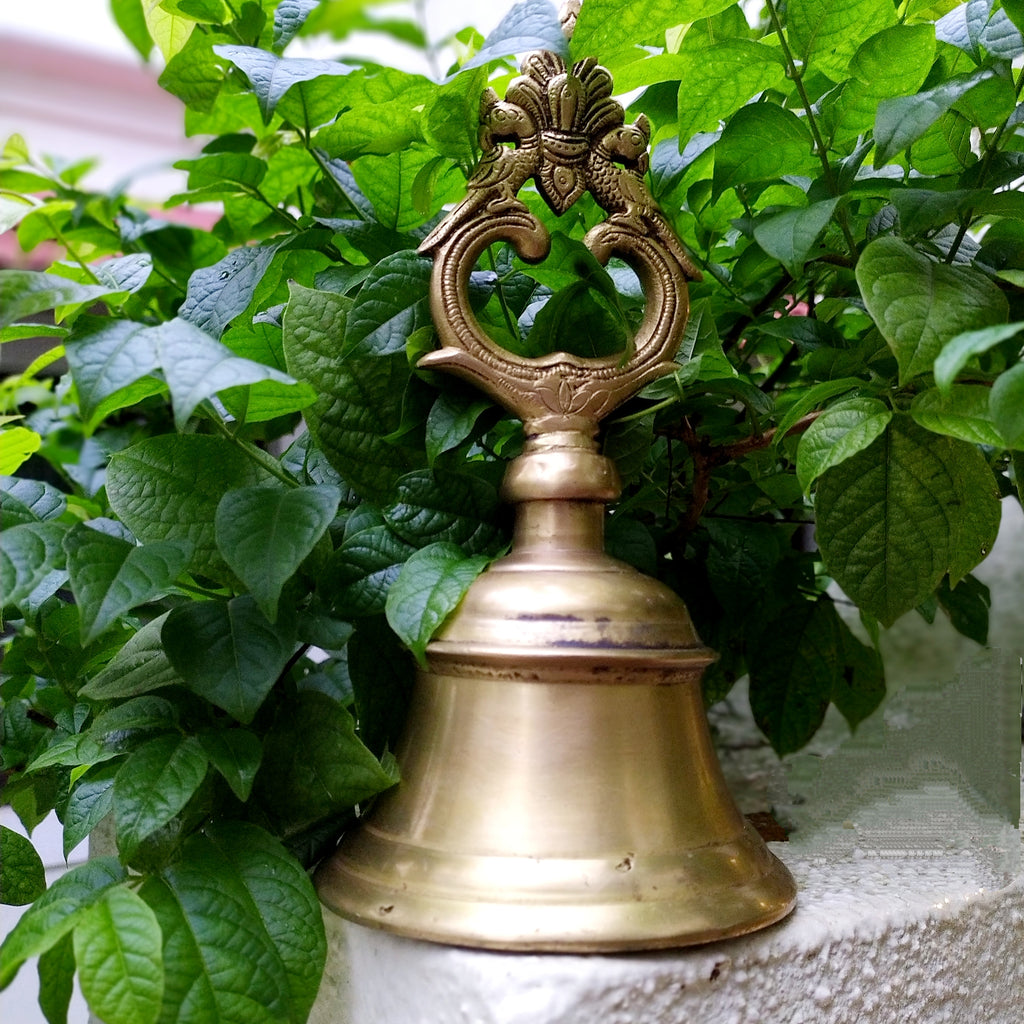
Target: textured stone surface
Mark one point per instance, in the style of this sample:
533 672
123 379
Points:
879 940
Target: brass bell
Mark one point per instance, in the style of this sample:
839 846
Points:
559 789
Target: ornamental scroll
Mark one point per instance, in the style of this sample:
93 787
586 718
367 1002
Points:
562 129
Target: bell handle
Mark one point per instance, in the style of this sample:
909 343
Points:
559 391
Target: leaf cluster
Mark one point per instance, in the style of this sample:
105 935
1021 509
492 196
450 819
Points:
231 520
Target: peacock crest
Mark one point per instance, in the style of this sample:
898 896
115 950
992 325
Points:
569 112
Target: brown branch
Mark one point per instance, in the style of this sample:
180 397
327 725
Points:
758 441
706 456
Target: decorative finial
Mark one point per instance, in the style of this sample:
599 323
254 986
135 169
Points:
562 129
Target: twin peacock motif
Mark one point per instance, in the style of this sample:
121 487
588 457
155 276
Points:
562 129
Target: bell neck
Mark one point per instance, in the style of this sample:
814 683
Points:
560 485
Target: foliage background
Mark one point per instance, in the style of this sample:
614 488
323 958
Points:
207 619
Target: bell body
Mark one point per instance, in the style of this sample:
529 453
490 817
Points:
559 790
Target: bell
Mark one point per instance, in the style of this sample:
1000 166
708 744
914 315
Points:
559 789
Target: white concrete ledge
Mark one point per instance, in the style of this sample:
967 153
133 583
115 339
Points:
923 939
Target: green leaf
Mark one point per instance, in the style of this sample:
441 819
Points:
156 782
22 876
790 236
146 713
975 27
902 120
211 12
581 321
430 585
220 962
89 802
529 25
825 34
132 22
1015 12
945 148
168 487
741 561
314 766
719 78
29 501
1006 405
106 356
23 293
433 505
109 576
387 181
614 32
384 113
15 332
382 676
168 30
286 903
762 142
13 209
236 754
194 74
451 121
893 519
56 912
920 305
893 62
360 573
393 302
568 263
628 444
218 293
43 224
967 605
125 273
793 671
266 533
17 444
30 551
226 172
859 689
227 652
288 19
272 78
990 103
450 421
140 666
266 399
57 980
963 411
120 963
922 209
961 348
361 399
838 434
197 367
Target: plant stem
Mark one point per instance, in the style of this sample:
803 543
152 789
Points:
318 156
510 320
257 455
191 588
59 235
706 457
986 163
812 123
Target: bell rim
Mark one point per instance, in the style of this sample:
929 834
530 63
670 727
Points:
523 922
